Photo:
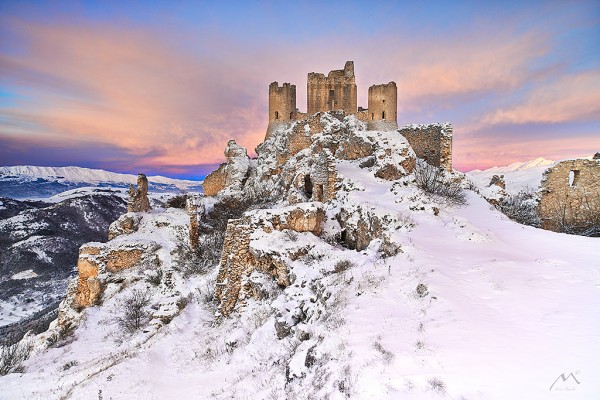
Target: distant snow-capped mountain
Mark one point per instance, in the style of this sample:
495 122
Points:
518 175
39 182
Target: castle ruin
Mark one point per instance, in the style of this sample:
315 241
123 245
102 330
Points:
570 196
337 93
334 92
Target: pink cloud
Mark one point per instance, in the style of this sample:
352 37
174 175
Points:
174 99
572 97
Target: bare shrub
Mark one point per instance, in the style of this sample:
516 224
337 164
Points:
69 365
435 182
387 248
155 278
11 357
387 355
521 207
178 201
343 265
291 235
133 314
437 385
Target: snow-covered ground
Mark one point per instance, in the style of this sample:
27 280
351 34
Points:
508 310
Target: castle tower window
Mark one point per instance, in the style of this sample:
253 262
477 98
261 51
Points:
573 177
276 114
383 115
384 102
372 116
291 114
331 94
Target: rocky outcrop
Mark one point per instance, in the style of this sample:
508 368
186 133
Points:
239 259
97 260
138 199
125 225
231 175
498 180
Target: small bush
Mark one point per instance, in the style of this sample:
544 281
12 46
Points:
12 356
435 182
155 278
69 365
342 265
133 315
521 207
387 355
437 385
178 201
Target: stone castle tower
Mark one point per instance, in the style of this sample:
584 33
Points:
334 92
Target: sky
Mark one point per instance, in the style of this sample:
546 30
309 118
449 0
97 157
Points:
160 86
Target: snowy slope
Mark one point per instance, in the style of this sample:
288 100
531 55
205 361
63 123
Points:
518 176
509 309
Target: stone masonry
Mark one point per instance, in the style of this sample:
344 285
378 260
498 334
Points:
335 92
432 143
238 260
570 196
97 259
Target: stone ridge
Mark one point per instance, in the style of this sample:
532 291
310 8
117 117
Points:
239 261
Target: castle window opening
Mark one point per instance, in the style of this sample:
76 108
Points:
383 115
331 94
573 177
372 116
276 114
291 114
383 101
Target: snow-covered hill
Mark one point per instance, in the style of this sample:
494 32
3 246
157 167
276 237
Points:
508 309
41 182
442 301
518 176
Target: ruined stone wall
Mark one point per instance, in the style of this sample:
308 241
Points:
383 107
433 143
96 259
570 196
238 260
215 181
337 91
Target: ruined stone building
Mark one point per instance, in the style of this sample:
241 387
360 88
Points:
337 92
570 196
334 92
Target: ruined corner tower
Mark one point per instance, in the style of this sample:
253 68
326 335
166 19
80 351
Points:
382 113
282 104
